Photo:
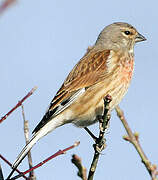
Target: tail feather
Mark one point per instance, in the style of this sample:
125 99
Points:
24 152
53 124
26 149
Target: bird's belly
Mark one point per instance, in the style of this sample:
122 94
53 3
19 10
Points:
89 115
87 107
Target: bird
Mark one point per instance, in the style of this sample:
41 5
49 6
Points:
105 69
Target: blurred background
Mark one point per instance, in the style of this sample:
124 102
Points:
40 42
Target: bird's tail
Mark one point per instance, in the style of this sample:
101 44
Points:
24 152
26 149
50 126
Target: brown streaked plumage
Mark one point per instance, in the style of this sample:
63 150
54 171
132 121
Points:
89 71
106 68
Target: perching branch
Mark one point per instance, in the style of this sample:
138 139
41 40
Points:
18 104
134 139
60 152
100 142
26 134
82 171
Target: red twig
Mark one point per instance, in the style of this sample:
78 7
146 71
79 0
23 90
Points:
5 160
18 104
46 160
5 4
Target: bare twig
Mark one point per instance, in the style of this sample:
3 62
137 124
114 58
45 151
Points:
5 4
134 139
46 160
26 134
5 160
1 174
100 142
82 171
18 104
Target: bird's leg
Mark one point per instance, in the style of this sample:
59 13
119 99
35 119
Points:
91 134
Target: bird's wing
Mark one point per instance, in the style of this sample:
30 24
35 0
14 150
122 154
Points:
86 73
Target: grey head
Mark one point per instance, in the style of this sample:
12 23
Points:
119 35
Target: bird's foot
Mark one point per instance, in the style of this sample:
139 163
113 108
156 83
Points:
100 145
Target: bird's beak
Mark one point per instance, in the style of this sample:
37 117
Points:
140 38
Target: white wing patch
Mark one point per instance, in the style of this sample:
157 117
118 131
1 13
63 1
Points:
66 103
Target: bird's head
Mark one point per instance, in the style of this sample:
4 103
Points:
119 36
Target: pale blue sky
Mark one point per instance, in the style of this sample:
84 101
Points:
40 42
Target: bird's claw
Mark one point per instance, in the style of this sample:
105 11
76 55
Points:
98 147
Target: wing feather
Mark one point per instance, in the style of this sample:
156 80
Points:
89 70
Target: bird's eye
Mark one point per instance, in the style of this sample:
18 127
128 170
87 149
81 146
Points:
127 32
